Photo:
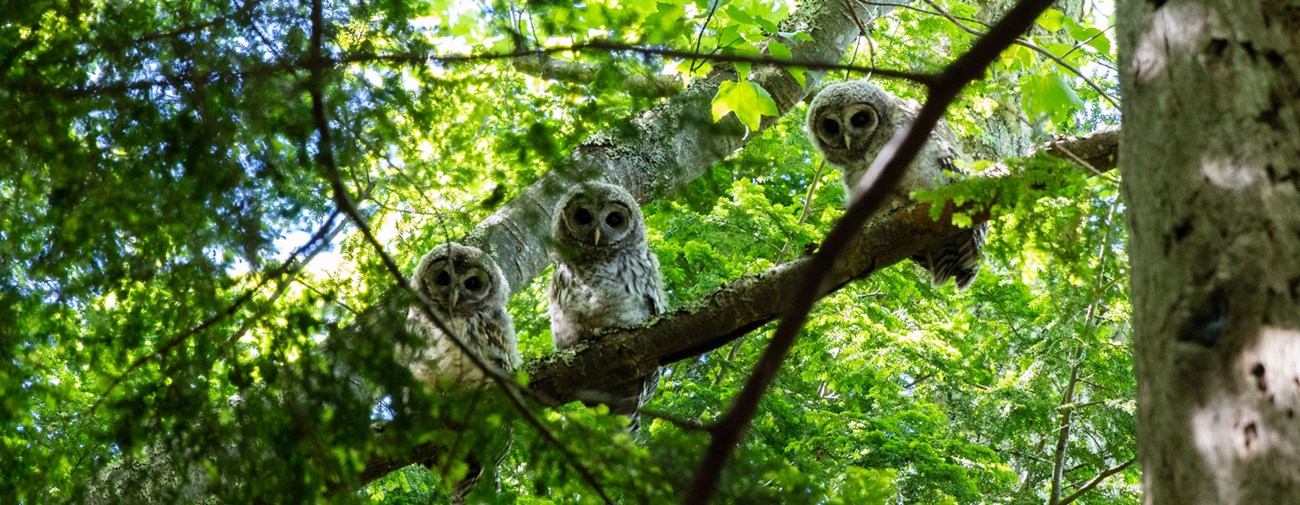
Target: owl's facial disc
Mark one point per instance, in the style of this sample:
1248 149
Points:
598 225
458 284
840 130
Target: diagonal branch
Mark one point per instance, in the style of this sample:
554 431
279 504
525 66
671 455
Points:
1095 481
879 180
643 156
729 312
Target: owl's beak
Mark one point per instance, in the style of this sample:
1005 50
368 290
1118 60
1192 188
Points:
455 295
848 141
597 242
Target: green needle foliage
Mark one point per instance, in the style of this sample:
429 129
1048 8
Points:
171 259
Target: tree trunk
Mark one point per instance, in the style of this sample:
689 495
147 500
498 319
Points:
1211 150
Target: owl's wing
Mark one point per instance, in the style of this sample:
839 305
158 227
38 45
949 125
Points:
654 298
955 257
561 294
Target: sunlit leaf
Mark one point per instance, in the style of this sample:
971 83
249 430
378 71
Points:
749 101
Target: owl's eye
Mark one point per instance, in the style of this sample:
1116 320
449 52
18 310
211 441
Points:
831 126
582 216
615 220
443 278
473 283
860 119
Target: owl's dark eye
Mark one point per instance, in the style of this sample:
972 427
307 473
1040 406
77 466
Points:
582 216
443 278
615 220
830 126
473 283
860 119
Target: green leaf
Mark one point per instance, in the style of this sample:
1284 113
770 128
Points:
800 74
729 35
1052 20
749 101
1095 38
739 15
748 50
767 25
1050 95
778 50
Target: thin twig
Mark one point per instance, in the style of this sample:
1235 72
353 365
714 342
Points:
268 69
880 178
1085 42
289 266
713 8
612 46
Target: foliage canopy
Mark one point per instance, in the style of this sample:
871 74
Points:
169 241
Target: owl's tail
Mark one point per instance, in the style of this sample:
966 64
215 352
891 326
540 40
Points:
955 257
477 471
465 485
625 398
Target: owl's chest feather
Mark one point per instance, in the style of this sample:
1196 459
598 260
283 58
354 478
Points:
589 298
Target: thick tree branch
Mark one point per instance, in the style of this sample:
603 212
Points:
871 192
650 155
1100 150
731 311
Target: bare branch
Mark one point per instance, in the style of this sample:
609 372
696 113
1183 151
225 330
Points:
1095 481
1063 433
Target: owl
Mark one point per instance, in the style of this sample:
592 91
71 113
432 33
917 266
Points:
850 122
605 277
469 292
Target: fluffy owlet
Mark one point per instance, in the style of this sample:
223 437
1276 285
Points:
469 292
850 122
605 276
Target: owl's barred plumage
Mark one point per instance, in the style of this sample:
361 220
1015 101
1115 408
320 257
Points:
469 291
605 277
850 123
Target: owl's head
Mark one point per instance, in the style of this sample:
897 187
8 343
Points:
595 218
461 280
845 118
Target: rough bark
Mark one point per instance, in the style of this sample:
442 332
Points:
1211 146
